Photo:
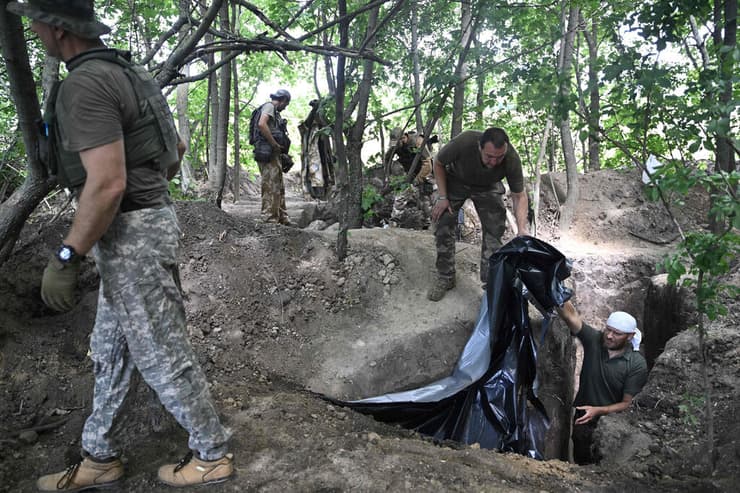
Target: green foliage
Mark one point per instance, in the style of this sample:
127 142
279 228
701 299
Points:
690 409
704 253
399 183
370 196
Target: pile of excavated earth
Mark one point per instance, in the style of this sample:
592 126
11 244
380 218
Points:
277 321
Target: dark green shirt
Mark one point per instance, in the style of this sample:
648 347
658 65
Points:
462 162
95 106
605 380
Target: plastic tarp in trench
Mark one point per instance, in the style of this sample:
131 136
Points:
491 396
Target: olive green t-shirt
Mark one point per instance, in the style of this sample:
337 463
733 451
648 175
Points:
462 161
605 380
95 106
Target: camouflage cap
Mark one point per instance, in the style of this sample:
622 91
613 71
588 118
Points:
76 16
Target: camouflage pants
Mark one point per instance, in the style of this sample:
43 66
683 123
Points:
425 169
273 190
489 204
140 325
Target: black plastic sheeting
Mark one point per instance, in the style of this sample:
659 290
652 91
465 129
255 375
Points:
491 396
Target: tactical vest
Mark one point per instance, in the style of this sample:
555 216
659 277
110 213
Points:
150 141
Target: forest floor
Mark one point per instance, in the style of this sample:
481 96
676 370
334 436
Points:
276 320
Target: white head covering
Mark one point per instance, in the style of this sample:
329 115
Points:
626 323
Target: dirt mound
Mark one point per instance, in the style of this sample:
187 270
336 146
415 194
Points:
275 318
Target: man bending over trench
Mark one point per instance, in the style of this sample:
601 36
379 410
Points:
613 373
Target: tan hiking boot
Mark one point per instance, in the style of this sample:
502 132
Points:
440 287
84 475
191 470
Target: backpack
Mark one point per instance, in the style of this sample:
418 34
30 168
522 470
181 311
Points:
253 124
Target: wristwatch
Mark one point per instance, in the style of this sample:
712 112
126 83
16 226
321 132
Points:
66 254
441 197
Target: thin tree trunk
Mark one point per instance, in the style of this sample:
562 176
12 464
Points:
594 97
211 122
341 153
458 101
183 122
237 137
356 133
480 80
538 165
708 406
175 60
725 153
417 66
566 138
16 209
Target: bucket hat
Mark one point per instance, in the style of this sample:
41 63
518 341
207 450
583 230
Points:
76 16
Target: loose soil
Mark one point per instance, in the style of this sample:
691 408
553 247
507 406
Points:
276 320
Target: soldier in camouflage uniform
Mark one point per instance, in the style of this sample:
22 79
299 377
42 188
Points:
405 146
271 143
125 218
471 166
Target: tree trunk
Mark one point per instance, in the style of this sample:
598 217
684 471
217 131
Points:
480 93
183 122
725 152
594 97
211 128
341 152
222 94
356 133
237 137
172 65
537 173
15 210
458 101
569 154
417 66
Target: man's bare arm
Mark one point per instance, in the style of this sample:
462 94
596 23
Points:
520 204
571 317
592 412
101 195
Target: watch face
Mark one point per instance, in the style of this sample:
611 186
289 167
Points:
65 254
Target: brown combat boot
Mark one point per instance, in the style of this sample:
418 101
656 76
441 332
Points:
84 475
191 470
440 287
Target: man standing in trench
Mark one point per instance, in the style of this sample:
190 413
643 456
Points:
613 373
471 166
113 142
271 143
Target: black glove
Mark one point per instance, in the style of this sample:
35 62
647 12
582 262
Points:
59 283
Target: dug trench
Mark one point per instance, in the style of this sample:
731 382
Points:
277 320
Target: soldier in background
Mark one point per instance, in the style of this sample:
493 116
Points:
405 146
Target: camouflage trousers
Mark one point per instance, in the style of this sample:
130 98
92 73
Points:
140 325
489 204
273 190
425 169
